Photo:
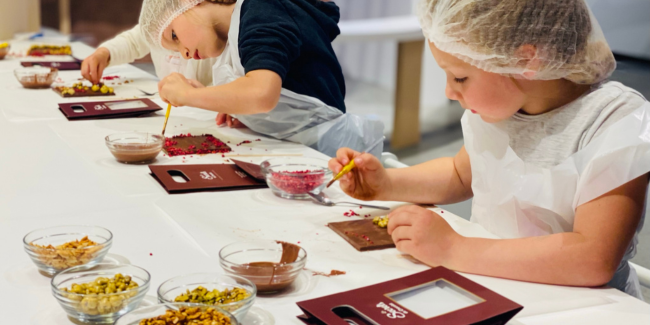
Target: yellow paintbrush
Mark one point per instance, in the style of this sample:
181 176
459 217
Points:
347 168
169 109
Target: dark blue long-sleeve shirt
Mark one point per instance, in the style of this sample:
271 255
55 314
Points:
293 38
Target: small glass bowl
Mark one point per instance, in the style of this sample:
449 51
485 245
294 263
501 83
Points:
258 261
134 317
4 51
135 147
36 77
172 288
103 308
295 177
50 261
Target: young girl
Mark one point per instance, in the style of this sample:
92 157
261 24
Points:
131 45
556 158
276 70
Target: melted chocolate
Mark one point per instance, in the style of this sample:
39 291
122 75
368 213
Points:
141 153
272 277
289 252
267 276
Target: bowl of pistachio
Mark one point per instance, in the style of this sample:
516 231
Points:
101 294
231 293
178 314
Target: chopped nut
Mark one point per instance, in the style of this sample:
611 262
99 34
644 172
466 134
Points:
214 297
381 221
101 296
70 254
189 316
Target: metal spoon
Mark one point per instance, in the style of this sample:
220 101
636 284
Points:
147 93
322 199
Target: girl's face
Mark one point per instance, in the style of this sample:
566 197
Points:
193 34
492 96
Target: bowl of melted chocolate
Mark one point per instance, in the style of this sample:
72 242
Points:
135 147
272 266
36 77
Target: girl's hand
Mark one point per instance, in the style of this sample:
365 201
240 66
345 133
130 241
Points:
229 120
367 181
422 233
174 88
93 66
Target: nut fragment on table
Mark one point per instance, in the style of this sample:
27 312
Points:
67 255
189 316
381 221
215 297
104 295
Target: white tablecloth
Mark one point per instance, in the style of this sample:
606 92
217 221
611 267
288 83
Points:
57 172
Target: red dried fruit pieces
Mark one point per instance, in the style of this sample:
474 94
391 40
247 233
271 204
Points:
243 142
192 149
298 182
362 236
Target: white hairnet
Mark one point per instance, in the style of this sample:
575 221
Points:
566 39
156 15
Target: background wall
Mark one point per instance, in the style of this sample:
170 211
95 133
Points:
18 16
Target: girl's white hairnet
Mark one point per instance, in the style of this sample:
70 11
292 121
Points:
564 39
156 15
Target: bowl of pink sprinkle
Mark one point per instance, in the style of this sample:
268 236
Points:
295 177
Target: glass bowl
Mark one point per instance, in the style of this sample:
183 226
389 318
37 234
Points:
4 50
50 260
295 177
36 77
134 317
135 147
99 308
172 288
261 262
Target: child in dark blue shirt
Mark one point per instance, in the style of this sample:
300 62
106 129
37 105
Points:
275 69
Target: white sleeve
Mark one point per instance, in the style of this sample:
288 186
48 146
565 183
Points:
127 46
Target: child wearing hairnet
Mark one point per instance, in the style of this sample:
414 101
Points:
131 45
275 71
556 157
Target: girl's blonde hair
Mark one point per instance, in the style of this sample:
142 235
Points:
562 37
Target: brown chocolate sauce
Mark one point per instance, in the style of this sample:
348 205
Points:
268 276
272 277
136 153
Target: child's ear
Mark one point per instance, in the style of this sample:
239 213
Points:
527 54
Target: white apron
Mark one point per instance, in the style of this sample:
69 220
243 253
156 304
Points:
513 199
298 118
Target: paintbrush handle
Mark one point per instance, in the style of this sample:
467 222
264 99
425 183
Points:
169 109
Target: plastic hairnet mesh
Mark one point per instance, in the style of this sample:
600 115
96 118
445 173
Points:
156 15
566 40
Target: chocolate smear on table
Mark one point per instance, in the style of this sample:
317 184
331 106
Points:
363 235
332 273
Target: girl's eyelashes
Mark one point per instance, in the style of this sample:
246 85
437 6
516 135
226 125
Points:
174 38
460 80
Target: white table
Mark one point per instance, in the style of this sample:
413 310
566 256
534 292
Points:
57 172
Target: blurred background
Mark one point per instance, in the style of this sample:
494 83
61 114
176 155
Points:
388 70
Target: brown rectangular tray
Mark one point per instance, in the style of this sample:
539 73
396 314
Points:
380 303
210 177
102 109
